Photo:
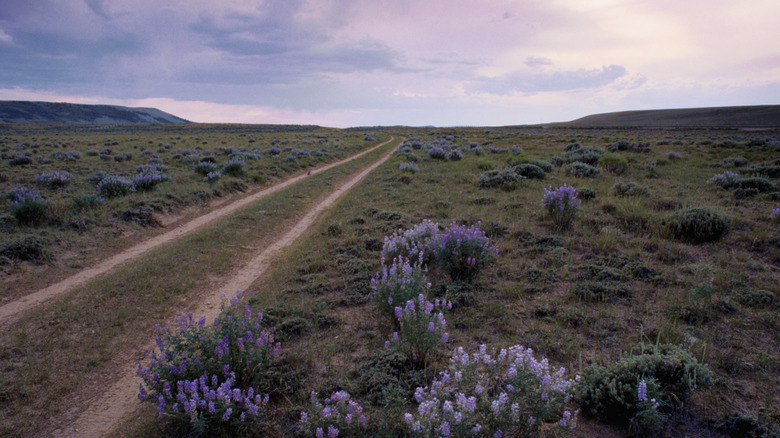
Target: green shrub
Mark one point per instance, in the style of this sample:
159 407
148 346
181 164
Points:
613 163
573 147
505 179
556 161
26 249
600 291
628 188
544 165
767 170
485 165
233 168
27 206
610 393
581 170
697 225
586 193
205 167
761 184
530 171
734 162
584 155
86 201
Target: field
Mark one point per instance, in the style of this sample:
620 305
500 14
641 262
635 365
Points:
625 283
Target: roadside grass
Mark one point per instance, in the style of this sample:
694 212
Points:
73 238
71 346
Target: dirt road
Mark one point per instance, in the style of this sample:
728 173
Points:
104 414
11 311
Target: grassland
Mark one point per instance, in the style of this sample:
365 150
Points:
71 237
717 300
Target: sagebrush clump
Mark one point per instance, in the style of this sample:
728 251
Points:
611 393
697 225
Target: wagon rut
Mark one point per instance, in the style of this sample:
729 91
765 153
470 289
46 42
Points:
10 312
99 417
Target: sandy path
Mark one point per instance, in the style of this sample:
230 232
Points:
10 312
105 413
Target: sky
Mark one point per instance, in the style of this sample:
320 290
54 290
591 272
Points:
348 63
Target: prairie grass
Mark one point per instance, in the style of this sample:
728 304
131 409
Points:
318 294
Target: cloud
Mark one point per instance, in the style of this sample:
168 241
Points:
534 80
5 38
537 61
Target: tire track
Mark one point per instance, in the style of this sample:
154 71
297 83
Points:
103 414
10 312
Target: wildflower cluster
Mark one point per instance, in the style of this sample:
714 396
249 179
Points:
775 214
338 414
274 151
23 194
421 330
145 168
726 179
414 244
455 155
148 176
460 250
205 167
208 402
397 284
27 205
673 155
463 251
436 153
409 167
516 150
115 186
561 204
58 178
511 394
233 167
212 177
195 361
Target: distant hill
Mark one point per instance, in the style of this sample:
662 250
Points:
759 116
15 111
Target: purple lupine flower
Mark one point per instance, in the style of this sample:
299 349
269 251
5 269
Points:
641 391
228 413
332 432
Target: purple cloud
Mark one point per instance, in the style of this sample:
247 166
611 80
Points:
534 81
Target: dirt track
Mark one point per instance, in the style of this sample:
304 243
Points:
10 312
104 414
